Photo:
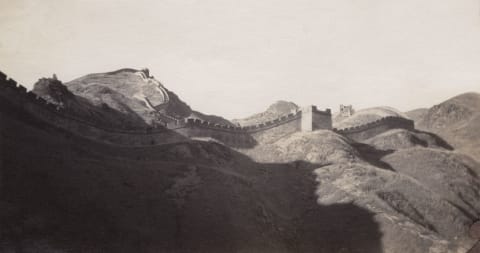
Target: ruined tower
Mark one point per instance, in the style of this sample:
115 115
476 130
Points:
346 110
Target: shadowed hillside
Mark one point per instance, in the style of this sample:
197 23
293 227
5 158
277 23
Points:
60 192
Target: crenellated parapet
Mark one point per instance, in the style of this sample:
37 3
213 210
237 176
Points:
306 119
197 123
368 130
386 120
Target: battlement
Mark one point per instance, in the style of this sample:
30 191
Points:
189 122
368 130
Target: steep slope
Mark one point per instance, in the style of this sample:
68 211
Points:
365 116
119 116
457 120
274 111
140 92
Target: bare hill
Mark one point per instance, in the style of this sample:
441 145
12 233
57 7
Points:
116 115
365 116
457 120
274 111
404 177
137 91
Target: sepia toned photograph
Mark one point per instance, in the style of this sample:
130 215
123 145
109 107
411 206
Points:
252 126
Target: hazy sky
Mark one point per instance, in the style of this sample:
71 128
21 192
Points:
234 58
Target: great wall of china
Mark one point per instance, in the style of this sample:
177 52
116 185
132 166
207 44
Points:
368 130
14 96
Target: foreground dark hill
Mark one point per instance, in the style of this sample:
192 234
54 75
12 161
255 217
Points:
457 120
305 192
62 193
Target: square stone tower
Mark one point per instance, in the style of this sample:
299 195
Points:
313 119
346 110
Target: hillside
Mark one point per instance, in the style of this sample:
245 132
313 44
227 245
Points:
68 193
457 120
274 111
135 92
305 192
118 116
399 190
404 177
364 116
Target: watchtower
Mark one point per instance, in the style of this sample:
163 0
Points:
346 110
314 119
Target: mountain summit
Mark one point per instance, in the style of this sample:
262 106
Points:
135 94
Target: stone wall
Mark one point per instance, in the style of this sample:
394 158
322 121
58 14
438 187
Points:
241 137
14 96
363 132
277 131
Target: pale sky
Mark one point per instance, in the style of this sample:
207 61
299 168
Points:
234 58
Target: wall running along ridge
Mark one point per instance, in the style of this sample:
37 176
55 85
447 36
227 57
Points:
14 97
366 131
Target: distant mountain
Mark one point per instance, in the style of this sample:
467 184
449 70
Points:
365 116
274 111
417 114
457 120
